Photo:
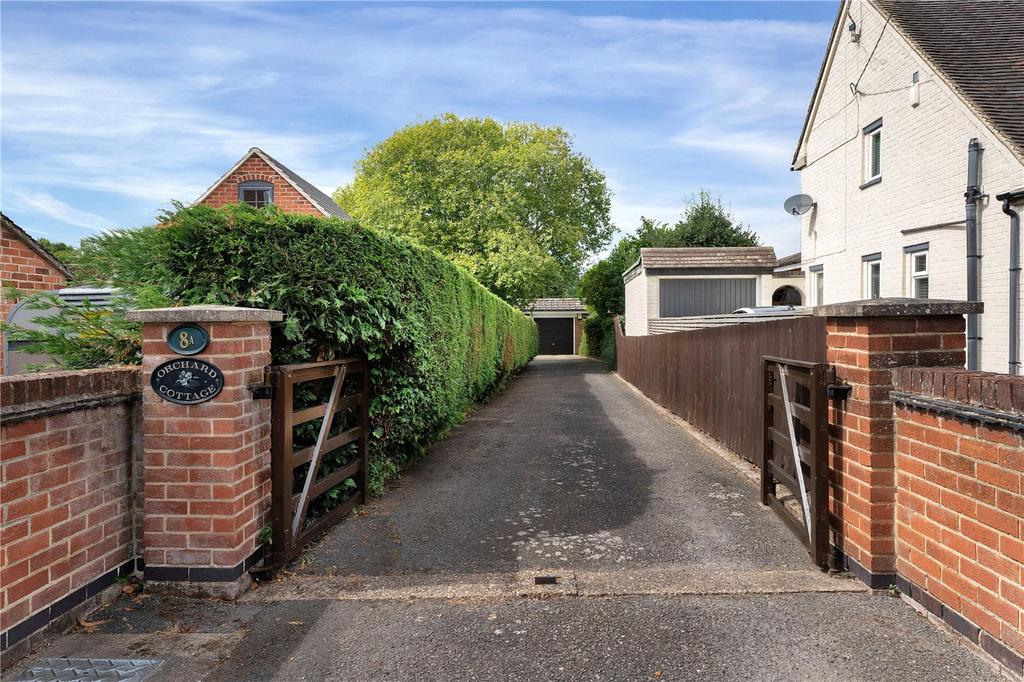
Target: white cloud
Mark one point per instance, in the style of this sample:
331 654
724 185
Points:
57 209
761 148
143 106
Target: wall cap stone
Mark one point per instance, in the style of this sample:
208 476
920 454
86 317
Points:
28 396
205 313
899 307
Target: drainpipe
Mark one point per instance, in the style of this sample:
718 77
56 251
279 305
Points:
1007 199
972 195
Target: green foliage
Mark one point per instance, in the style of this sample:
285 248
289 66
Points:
436 340
705 223
65 253
82 336
513 204
601 286
599 337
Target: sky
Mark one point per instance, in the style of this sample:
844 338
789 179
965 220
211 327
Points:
112 110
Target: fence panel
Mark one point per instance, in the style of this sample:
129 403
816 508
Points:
712 377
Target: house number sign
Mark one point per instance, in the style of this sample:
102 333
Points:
187 381
188 339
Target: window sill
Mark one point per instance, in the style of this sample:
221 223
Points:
872 181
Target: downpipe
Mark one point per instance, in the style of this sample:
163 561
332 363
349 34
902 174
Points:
972 195
1009 198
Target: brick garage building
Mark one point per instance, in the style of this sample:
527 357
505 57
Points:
27 265
258 179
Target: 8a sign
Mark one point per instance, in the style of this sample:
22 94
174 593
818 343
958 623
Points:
188 339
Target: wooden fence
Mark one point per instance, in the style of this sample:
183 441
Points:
667 325
712 377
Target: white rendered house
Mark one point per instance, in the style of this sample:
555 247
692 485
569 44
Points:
886 152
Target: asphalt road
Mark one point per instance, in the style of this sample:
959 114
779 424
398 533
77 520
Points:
664 567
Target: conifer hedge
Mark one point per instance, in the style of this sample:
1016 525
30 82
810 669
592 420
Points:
436 340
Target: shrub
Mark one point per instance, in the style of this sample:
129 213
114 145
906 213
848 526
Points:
599 334
436 340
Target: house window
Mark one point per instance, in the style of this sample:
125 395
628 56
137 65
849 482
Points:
872 276
256 193
919 274
818 284
872 154
917 266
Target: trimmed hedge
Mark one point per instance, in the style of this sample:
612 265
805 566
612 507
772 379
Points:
436 339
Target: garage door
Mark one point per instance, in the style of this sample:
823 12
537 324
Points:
555 335
686 297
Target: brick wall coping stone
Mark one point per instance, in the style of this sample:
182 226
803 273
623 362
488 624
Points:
899 307
205 313
987 397
962 411
27 396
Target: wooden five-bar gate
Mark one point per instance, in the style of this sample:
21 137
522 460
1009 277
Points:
318 419
796 449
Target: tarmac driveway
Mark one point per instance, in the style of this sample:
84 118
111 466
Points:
655 561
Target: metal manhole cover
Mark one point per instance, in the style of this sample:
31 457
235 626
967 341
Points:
89 670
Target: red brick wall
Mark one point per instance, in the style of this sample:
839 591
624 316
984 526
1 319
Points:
286 197
23 268
207 466
960 501
69 462
864 352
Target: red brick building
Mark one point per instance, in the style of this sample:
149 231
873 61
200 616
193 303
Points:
258 179
27 265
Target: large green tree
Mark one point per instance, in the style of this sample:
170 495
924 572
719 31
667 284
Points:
705 222
512 203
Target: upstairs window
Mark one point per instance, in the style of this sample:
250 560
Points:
256 193
872 154
872 276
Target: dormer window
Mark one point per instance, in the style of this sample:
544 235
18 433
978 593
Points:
256 193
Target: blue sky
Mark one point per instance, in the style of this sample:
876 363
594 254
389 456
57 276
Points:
112 110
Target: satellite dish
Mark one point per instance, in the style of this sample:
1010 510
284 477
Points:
798 204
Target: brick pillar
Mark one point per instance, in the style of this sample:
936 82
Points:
206 466
866 340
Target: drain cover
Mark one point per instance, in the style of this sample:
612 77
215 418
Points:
89 670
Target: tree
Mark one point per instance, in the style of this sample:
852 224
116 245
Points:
65 253
511 203
705 222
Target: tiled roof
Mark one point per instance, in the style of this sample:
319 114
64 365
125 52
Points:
732 257
319 199
559 304
34 244
791 259
979 47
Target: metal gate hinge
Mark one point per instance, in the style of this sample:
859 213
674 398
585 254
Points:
261 391
839 391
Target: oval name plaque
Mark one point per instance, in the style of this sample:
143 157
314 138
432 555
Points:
188 339
187 381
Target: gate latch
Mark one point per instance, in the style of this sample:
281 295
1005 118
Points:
261 391
838 391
